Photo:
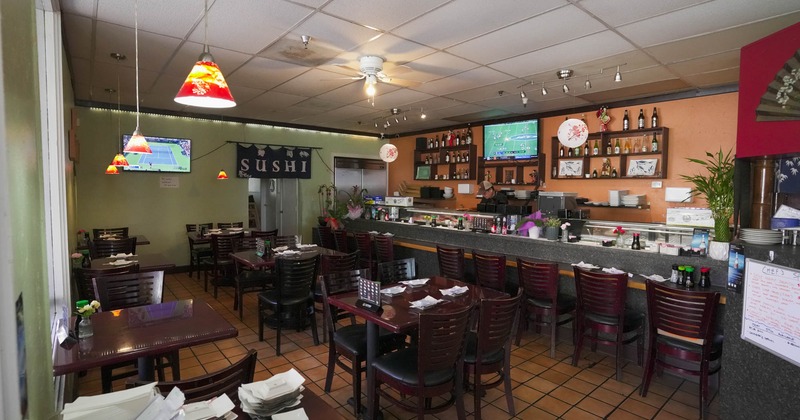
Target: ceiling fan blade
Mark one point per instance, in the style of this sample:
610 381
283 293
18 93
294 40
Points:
401 82
396 69
344 78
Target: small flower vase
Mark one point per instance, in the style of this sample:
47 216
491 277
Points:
565 235
85 328
620 242
535 232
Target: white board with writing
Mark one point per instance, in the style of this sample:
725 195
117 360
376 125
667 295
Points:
771 312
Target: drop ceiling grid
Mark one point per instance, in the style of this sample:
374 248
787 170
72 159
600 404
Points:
382 15
263 73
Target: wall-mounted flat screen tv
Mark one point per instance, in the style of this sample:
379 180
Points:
169 155
509 141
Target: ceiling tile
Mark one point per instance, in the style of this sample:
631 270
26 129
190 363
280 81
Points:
716 78
392 13
617 13
174 18
188 53
275 101
335 32
480 76
313 82
392 49
78 36
436 66
726 60
79 7
154 50
262 73
551 28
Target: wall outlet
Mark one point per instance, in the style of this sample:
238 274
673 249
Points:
655 184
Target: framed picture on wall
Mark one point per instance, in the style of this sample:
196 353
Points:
423 172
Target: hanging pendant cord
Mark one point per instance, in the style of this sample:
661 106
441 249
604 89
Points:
205 32
136 47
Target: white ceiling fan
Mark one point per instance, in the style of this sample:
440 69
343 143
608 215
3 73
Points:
370 69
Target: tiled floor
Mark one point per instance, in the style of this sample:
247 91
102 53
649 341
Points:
543 388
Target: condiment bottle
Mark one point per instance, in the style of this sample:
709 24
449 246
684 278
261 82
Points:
674 277
681 276
705 278
635 244
689 277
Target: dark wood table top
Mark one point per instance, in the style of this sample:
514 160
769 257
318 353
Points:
127 334
198 239
146 262
398 315
251 260
140 240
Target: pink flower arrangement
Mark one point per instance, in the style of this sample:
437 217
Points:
619 230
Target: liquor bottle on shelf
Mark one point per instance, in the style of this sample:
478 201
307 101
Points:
447 158
561 151
467 157
469 135
641 118
430 143
569 152
458 157
609 150
577 151
644 144
458 139
436 143
616 147
613 172
654 119
626 122
594 173
654 144
596 148
427 159
586 149
637 146
627 148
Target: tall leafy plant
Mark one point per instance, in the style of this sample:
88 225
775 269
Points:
716 186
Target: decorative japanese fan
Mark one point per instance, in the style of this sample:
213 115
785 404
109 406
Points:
781 101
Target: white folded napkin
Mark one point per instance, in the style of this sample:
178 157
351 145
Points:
655 277
373 232
586 265
391 291
304 246
613 270
274 387
120 262
280 248
425 302
299 414
416 282
121 255
454 291
388 234
288 252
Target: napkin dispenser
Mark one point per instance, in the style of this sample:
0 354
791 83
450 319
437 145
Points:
369 295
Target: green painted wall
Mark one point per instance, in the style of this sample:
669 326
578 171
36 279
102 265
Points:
23 203
137 200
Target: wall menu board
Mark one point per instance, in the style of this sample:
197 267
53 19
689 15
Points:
771 313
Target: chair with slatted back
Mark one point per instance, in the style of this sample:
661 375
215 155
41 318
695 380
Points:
365 247
127 291
384 248
324 237
488 349
291 297
105 233
682 336
222 269
543 304
391 272
330 264
228 225
209 386
433 367
341 240
490 270
283 240
601 310
84 285
349 341
247 280
263 233
199 255
451 262
101 248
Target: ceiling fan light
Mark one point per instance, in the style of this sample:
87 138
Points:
205 86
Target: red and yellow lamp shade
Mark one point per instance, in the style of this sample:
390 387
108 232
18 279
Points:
137 144
205 86
112 170
222 174
119 160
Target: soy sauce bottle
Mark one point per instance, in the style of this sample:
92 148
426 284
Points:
705 278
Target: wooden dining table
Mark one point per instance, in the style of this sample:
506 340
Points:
197 239
253 261
143 332
146 262
140 240
398 316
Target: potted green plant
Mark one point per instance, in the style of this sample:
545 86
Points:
551 226
355 202
327 198
716 186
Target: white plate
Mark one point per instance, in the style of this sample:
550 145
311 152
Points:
763 241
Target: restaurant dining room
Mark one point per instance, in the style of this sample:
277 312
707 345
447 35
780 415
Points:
562 209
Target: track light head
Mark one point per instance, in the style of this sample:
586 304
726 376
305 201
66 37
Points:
565 88
617 76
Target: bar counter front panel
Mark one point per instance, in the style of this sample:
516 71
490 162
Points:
754 383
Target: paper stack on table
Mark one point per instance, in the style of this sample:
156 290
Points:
415 283
454 291
270 396
424 303
125 404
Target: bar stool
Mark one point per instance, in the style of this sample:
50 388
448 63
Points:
543 304
682 328
451 262
601 309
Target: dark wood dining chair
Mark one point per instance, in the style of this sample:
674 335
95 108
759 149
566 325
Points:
451 262
127 291
348 343
211 385
228 225
263 233
283 240
488 349
117 232
341 240
601 309
84 278
222 269
101 248
490 270
391 272
681 336
291 299
331 264
247 280
324 237
384 248
435 366
199 255
366 248
543 304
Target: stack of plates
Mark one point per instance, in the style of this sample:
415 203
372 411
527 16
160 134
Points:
762 236
634 200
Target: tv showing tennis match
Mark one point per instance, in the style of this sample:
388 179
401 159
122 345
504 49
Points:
169 155
514 140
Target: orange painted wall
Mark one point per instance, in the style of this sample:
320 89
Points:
695 126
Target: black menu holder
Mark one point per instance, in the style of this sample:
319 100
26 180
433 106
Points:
369 295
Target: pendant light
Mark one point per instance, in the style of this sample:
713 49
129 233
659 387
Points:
137 142
119 160
222 174
112 170
205 86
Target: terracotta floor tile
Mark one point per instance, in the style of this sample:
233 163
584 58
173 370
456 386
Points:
692 400
210 357
619 387
216 365
527 394
579 385
544 360
595 406
591 377
681 409
638 407
620 414
534 413
555 376
607 396
541 385
552 405
566 369
567 395
578 414
666 415
651 399
532 367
